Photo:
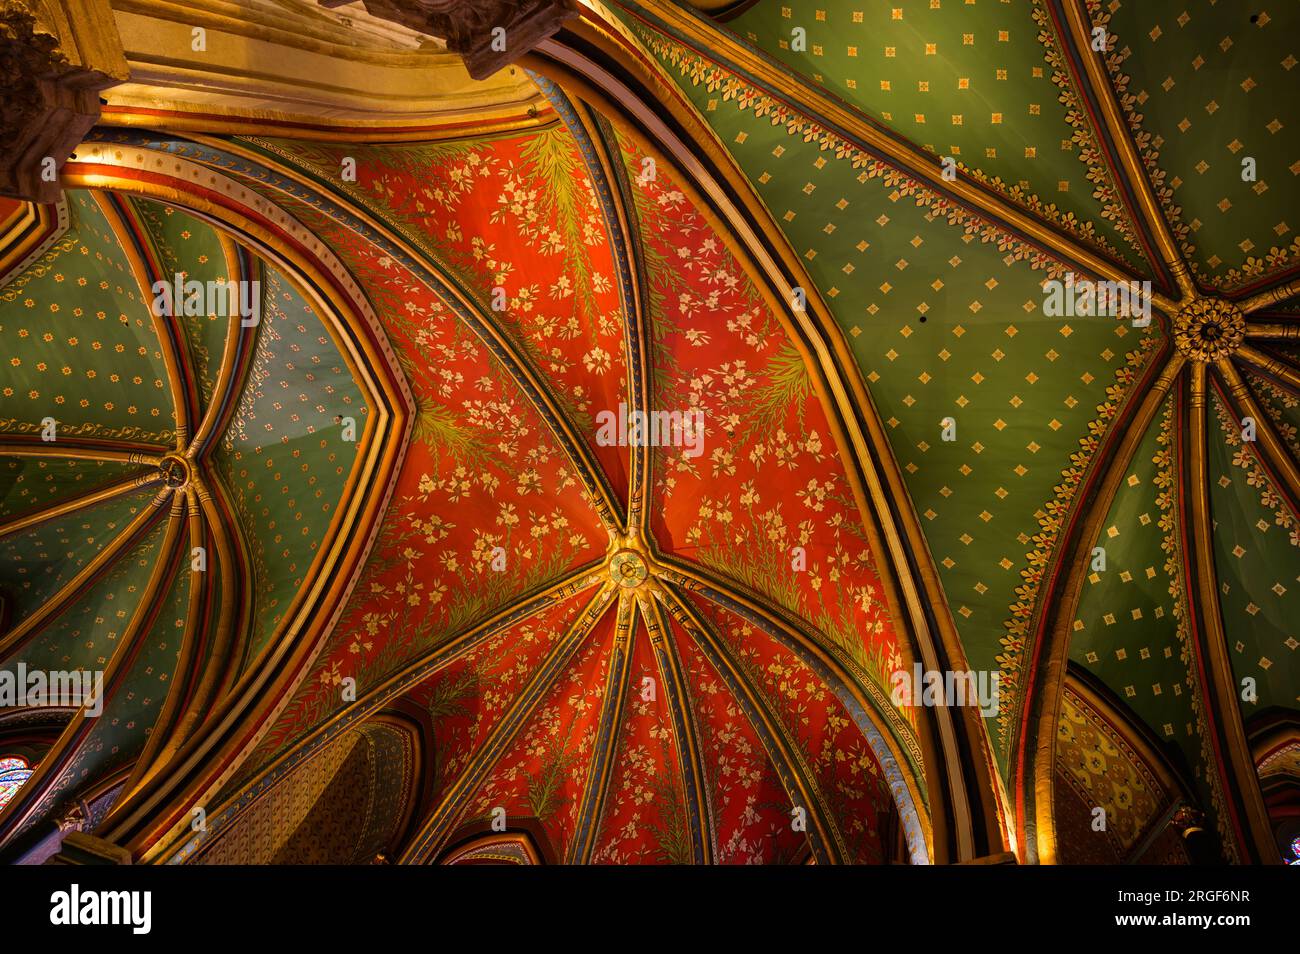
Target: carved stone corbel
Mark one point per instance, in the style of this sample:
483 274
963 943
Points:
56 56
488 34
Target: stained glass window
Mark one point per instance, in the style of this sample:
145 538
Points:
1295 852
13 772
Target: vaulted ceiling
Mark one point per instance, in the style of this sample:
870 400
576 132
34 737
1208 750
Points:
377 536
943 308
170 484
504 454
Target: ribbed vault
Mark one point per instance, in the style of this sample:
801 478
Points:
822 236
1027 108
505 455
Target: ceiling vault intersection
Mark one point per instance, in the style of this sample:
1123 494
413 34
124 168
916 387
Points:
365 578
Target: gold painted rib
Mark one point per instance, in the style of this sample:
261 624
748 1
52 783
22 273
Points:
1080 33
235 615
1270 365
817 106
1273 330
688 575
531 116
1277 459
454 801
164 739
636 321
220 667
1222 684
690 756
824 836
227 379
691 576
144 279
125 538
81 502
70 450
1041 771
600 772
234 611
1270 297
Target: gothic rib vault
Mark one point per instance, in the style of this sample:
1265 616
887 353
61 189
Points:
469 604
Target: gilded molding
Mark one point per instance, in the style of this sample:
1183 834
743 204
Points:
1080 29
125 229
33 518
611 178
1271 366
1272 450
295 69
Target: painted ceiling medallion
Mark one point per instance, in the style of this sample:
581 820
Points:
1208 329
175 471
628 569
